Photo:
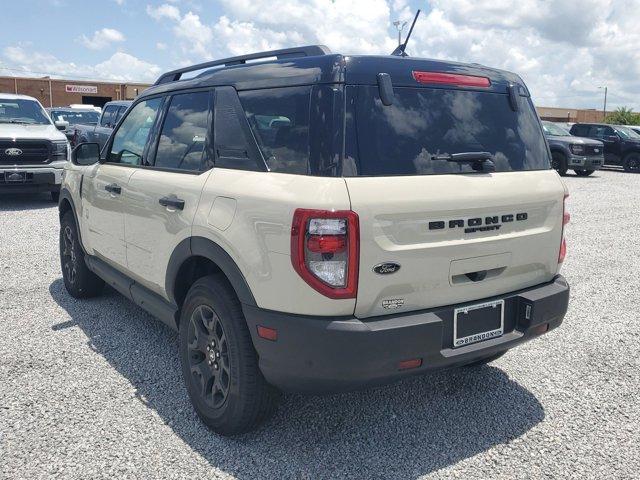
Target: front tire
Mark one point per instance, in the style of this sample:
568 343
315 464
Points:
631 162
219 363
559 163
583 173
79 281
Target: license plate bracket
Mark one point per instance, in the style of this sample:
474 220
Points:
477 323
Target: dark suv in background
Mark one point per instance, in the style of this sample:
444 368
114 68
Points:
582 155
621 143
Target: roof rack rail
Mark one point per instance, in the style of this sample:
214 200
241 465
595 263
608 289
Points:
306 51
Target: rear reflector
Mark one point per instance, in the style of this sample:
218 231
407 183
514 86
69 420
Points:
267 333
407 364
442 78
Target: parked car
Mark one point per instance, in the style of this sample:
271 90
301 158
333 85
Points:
313 222
33 150
582 155
99 133
73 117
635 128
621 143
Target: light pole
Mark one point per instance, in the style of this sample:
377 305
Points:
604 108
399 26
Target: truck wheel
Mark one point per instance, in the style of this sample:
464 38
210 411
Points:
559 163
55 196
79 281
484 361
219 363
631 162
583 173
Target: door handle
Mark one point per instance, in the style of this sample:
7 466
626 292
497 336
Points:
113 188
172 201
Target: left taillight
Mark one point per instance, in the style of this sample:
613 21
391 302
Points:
565 219
325 250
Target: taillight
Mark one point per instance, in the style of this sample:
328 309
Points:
565 219
443 78
325 250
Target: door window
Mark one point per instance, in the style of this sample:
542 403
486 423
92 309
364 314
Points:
184 133
131 137
108 115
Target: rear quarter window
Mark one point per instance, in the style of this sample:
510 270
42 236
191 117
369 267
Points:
279 118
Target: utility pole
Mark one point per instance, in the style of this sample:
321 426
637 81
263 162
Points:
399 26
604 107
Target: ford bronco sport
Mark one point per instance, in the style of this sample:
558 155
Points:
33 150
314 222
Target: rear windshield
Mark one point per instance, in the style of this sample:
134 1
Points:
402 138
82 117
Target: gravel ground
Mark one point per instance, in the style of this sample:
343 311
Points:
91 389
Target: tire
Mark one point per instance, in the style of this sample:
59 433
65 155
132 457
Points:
583 173
55 196
559 163
631 162
219 363
79 281
484 361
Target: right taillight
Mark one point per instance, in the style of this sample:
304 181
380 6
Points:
324 250
565 219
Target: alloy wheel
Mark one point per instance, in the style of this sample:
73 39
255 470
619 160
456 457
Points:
209 356
69 260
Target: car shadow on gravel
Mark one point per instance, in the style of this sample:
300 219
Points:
404 430
25 201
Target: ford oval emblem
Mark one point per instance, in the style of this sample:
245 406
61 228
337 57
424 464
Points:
13 152
386 268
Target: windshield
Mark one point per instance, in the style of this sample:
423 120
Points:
22 111
422 123
626 132
553 129
75 117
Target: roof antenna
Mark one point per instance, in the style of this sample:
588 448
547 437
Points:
399 51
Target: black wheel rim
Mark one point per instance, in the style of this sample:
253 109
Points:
555 164
209 356
633 163
69 260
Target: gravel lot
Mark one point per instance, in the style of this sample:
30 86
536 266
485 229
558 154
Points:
92 389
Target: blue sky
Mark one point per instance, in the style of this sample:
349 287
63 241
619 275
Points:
563 49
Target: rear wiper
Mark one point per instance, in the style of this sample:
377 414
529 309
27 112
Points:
480 161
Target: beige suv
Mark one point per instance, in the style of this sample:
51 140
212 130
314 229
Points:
314 222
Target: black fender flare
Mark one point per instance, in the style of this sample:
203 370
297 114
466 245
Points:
65 196
203 247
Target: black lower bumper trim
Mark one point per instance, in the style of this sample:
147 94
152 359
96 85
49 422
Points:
325 354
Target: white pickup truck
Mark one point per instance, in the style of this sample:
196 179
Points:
33 150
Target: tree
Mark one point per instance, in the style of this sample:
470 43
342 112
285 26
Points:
623 116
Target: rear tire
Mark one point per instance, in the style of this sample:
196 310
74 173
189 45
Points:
559 163
631 162
583 173
219 363
484 361
79 281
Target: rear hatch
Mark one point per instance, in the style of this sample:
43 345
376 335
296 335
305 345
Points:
456 233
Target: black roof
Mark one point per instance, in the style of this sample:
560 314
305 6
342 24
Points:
315 64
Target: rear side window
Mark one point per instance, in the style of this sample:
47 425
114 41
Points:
580 130
403 138
184 132
279 118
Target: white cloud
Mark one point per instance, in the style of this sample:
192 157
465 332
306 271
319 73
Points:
119 67
165 10
161 46
102 38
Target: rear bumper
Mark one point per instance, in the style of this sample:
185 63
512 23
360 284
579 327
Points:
31 179
321 354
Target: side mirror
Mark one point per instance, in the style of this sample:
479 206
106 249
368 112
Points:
85 154
61 125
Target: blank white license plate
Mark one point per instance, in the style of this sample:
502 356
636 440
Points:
477 323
